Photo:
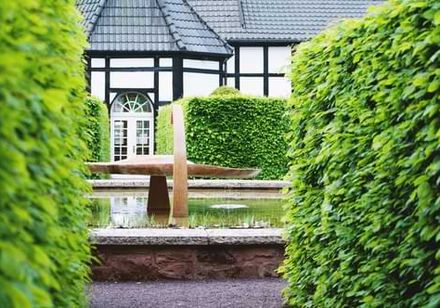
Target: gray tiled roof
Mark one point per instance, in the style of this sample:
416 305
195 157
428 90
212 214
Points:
272 20
148 25
90 10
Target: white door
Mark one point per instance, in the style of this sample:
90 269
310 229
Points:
132 126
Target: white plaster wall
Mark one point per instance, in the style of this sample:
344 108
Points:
97 62
165 62
279 86
112 96
230 64
97 84
203 64
132 62
165 86
132 80
279 59
252 85
251 60
196 84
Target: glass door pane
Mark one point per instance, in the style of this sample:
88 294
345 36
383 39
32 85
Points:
120 139
142 137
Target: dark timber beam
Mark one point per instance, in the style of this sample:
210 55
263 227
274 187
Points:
237 67
177 78
266 70
89 75
107 83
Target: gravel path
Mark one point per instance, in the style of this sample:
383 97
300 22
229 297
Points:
237 293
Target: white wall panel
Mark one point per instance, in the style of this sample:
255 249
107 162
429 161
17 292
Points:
165 62
210 65
252 85
151 96
97 84
251 60
165 86
230 82
279 86
112 96
98 62
195 84
279 59
134 62
131 79
231 65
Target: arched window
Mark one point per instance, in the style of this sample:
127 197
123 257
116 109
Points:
131 102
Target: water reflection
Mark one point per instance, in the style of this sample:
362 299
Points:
131 211
128 212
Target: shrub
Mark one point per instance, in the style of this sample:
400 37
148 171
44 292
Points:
164 131
98 139
225 91
365 164
44 250
235 131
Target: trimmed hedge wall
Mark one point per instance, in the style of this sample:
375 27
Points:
164 131
232 131
365 150
98 139
225 91
44 251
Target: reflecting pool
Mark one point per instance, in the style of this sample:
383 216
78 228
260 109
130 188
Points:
130 211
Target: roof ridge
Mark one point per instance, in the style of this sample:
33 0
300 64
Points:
225 44
241 14
95 17
171 25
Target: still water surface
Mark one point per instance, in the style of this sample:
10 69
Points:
131 212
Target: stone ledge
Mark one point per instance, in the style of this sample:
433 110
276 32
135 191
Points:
268 236
212 184
186 237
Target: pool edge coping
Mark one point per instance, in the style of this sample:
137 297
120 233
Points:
186 237
207 184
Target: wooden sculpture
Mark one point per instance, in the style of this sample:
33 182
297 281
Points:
177 166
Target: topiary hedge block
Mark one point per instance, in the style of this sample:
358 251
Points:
44 250
164 131
97 127
232 131
225 91
365 162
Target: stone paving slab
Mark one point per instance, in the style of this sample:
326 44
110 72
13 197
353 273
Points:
269 236
231 293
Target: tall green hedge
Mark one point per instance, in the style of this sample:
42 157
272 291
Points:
232 131
365 162
44 250
97 127
164 131
225 91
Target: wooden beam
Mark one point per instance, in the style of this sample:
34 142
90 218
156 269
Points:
180 169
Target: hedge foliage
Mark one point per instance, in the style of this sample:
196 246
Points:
44 250
365 162
164 131
232 131
225 90
98 138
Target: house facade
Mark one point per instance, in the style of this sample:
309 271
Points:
144 54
